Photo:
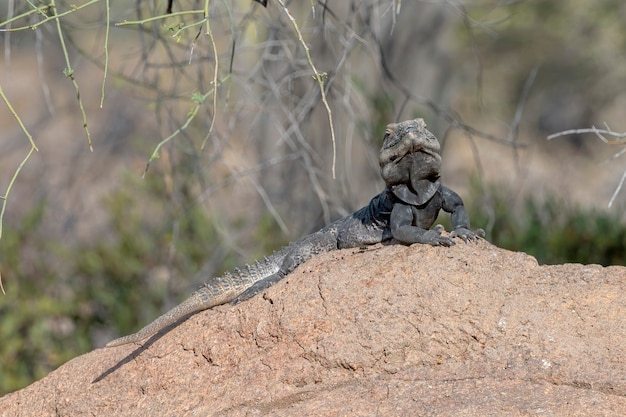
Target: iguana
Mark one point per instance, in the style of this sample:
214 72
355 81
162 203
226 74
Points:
410 164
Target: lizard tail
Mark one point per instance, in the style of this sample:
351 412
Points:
219 290
198 301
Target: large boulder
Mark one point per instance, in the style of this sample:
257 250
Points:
471 330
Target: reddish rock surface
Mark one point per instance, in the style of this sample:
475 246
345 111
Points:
471 330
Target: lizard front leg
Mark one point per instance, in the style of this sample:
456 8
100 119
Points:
402 229
453 204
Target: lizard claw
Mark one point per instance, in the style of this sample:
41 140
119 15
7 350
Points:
468 235
443 241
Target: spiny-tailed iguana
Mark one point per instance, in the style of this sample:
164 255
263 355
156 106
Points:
410 165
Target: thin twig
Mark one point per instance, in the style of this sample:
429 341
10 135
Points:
5 197
33 148
106 50
197 98
42 72
517 118
41 11
215 71
519 110
319 77
69 73
598 132
617 190
7 40
159 17
17 118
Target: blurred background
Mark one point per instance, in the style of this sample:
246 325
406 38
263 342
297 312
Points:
212 144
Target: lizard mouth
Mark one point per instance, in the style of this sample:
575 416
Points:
407 139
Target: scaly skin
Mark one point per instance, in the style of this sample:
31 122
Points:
410 165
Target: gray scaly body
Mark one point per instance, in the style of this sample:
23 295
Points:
410 165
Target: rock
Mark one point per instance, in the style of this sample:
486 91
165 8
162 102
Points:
471 330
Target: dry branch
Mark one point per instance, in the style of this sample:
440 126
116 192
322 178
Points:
602 135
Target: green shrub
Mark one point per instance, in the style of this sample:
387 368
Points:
62 300
553 231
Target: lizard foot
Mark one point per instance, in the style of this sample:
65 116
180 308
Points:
468 235
257 287
434 238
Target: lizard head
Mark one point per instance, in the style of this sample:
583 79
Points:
410 162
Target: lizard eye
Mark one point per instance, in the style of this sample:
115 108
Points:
389 129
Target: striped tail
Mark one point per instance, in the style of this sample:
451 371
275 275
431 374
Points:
219 290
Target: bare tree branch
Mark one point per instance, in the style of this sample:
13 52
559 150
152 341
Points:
600 133
620 139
